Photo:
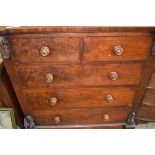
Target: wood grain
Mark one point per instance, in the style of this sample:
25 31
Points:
80 75
79 116
78 97
149 99
101 48
61 49
81 59
146 113
152 81
77 29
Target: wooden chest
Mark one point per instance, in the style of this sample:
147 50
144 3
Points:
79 77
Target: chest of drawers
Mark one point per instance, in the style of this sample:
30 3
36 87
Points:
79 77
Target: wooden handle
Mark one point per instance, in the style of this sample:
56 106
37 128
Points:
44 51
106 117
49 77
113 75
118 50
53 101
57 119
109 98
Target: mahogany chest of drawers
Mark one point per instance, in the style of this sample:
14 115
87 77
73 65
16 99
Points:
79 77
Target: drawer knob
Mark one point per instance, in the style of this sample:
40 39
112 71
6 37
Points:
109 98
53 101
113 75
106 117
44 51
57 119
49 77
118 50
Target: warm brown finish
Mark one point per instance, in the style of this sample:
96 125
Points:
29 50
104 48
78 97
79 116
73 29
80 77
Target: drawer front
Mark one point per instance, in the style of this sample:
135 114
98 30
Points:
80 75
78 97
117 48
45 50
79 116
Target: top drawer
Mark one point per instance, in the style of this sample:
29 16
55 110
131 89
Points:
64 49
117 48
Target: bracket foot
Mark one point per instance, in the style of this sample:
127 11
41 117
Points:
29 123
131 121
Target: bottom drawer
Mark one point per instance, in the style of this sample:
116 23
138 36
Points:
93 126
80 116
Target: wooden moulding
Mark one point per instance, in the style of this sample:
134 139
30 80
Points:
72 29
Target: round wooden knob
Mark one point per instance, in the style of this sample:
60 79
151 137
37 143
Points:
53 101
49 77
106 117
113 75
44 51
109 98
57 119
118 50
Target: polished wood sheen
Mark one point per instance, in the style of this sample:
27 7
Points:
80 77
61 49
79 116
102 48
78 97
73 29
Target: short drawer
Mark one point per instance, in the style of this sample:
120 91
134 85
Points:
44 98
80 75
79 116
117 48
45 50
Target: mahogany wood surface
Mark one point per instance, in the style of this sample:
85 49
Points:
77 29
61 49
80 61
78 97
134 48
79 116
80 75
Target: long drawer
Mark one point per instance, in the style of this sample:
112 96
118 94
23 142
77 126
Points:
52 98
80 75
79 116
117 48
